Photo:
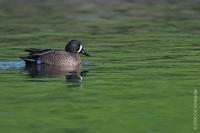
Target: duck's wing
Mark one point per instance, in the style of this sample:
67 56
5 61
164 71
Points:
34 55
33 51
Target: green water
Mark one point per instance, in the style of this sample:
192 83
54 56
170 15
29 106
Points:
141 78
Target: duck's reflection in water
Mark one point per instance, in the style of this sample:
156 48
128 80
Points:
50 71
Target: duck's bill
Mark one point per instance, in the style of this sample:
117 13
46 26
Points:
84 53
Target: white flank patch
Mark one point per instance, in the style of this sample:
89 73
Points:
80 49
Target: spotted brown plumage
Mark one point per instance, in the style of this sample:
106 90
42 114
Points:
60 57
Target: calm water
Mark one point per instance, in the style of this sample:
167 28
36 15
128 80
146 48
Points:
141 78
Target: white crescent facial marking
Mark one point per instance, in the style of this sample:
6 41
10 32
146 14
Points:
80 78
81 47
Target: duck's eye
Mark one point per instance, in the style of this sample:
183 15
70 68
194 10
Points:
80 48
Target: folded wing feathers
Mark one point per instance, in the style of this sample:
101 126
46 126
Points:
35 54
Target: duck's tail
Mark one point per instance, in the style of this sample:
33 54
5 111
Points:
31 59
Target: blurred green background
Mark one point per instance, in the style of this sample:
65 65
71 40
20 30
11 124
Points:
142 74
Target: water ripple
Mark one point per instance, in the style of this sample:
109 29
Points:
18 64
11 65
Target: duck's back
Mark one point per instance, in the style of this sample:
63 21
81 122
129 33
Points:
57 57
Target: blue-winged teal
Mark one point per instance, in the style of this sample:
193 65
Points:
56 57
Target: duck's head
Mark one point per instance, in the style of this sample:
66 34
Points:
75 46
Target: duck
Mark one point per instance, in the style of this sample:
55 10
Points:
67 57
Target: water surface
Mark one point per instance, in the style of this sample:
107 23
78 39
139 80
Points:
141 76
